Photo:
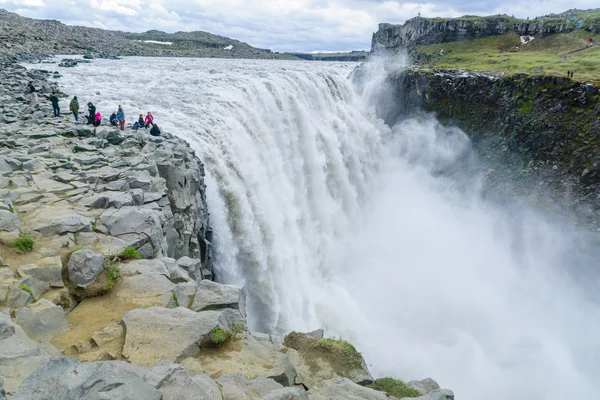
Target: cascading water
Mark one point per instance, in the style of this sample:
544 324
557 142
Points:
332 219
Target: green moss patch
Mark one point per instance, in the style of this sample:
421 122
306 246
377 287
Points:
394 388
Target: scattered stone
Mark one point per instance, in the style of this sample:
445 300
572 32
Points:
212 295
174 382
343 389
193 267
84 267
42 320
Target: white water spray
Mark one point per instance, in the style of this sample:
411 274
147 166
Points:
331 219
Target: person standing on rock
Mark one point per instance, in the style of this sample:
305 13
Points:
121 118
92 114
149 120
32 90
55 106
74 107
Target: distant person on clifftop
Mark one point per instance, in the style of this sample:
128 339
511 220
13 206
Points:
74 107
155 131
149 120
121 118
55 106
32 90
113 119
139 123
91 114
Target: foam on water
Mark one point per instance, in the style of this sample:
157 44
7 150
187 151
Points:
333 219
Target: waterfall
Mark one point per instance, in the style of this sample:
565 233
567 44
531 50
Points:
332 219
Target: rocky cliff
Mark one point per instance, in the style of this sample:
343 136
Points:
423 31
543 123
22 37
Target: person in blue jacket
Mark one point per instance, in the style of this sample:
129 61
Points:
113 119
121 118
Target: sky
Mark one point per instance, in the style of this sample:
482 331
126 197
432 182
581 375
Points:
280 25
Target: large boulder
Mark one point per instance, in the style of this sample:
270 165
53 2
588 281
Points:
322 359
424 386
9 221
344 389
140 228
67 378
42 320
174 382
19 355
84 267
51 224
161 334
211 295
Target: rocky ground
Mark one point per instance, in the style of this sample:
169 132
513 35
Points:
106 283
21 38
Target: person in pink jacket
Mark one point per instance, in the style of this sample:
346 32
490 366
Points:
149 120
98 119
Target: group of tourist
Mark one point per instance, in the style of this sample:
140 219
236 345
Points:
94 117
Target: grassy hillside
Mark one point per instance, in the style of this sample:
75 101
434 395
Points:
550 55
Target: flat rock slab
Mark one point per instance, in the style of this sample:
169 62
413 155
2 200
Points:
51 274
152 286
67 378
174 382
9 221
136 267
135 226
211 295
161 334
236 387
344 389
42 320
50 225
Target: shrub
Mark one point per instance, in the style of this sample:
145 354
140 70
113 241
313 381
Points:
27 289
113 274
394 388
352 356
129 254
24 243
218 337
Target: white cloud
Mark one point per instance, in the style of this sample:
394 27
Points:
282 25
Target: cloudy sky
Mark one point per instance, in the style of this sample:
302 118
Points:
281 25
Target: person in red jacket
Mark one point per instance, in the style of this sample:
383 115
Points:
149 120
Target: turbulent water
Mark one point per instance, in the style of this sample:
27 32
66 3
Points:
333 219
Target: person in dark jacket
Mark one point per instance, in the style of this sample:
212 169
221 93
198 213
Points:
55 106
91 113
154 131
139 123
113 120
32 90
74 107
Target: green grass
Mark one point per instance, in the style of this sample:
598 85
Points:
547 55
344 348
24 243
395 388
526 107
27 289
113 274
129 254
176 299
218 337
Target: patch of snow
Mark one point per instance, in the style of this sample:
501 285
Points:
228 47
157 42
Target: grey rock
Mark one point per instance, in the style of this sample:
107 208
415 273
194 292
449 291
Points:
84 267
424 386
2 392
67 378
137 227
42 320
289 393
177 273
317 334
6 273
215 295
51 274
236 387
9 221
49 225
160 334
438 394
146 286
144 267
17 297
344 389
174 382
192 266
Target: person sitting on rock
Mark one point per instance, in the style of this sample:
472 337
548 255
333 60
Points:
149 120
155 131
113 119
55 106
139 123
91 119
74 107
97 119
